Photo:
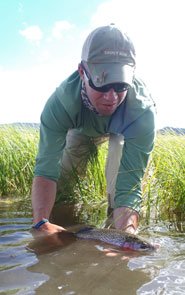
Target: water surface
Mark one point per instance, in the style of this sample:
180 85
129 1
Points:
29 266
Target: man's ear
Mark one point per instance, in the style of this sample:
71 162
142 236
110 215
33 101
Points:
81 71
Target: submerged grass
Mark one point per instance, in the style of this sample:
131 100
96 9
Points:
163 184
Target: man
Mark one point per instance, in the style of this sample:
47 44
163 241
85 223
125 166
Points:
102 99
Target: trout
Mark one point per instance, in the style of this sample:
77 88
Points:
115 237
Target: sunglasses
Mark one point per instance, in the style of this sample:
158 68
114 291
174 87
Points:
118 87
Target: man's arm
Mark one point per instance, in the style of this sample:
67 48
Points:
136 152
43 199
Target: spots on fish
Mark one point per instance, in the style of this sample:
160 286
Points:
115 237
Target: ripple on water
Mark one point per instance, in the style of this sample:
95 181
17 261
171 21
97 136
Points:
14 258
166 267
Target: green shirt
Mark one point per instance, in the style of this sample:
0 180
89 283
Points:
134 119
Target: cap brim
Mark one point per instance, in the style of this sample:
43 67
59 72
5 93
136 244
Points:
103 74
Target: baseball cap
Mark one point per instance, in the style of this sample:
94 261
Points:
109 56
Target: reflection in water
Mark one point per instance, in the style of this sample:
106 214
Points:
15 278
48 244
39 266
84 268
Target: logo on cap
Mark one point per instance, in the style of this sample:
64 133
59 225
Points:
115 52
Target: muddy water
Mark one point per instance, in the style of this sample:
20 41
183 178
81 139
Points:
29 266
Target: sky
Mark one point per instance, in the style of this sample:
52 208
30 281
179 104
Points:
41 42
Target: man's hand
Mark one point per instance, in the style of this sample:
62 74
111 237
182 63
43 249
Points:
48 237
126 219
49 229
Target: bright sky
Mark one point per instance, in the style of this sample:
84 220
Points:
41 43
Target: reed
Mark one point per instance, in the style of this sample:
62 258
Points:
88 187
18 149
163 184
164 180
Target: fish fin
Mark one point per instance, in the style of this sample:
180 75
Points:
84 229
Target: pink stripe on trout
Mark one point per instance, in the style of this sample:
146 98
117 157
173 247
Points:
115 237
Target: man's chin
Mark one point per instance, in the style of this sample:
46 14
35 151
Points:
106 113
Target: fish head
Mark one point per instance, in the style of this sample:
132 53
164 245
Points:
144 246
138 245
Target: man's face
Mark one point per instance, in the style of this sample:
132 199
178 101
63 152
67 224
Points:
105 102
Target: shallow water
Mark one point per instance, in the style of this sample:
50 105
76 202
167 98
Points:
29 266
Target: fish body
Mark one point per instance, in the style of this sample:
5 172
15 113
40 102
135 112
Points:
115 237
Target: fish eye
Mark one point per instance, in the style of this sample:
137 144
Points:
144 246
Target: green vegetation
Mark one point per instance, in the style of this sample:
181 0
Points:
165 177
18 149
163 184
88 186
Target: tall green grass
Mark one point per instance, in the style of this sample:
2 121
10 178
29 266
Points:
89 186
18 149
163 184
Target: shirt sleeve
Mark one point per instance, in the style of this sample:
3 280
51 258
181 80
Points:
135 155
55 123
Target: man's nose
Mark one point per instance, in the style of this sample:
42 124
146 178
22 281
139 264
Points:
111 95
